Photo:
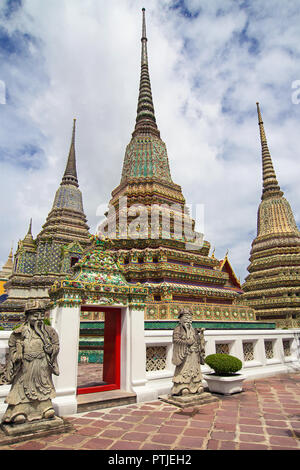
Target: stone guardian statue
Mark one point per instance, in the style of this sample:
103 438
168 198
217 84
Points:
32 359
188 353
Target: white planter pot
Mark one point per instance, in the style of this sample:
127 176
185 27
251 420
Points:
225 385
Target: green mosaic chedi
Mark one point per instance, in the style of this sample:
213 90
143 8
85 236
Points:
174 265
146 177
146 158
146 154
59 245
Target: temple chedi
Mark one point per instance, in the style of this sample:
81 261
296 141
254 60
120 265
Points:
5 273
56 249
272 287
153 237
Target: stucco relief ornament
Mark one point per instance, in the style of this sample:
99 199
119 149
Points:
188 354
32 359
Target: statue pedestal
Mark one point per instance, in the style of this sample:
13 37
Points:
192 399
11 433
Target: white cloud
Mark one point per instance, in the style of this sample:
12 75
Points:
207 72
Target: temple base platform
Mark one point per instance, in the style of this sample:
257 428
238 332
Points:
187 401
11 433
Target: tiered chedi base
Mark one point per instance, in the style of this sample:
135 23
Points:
177 278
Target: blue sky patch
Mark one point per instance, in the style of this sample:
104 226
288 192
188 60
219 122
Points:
182 8
251 42
14 43
29 156
10 7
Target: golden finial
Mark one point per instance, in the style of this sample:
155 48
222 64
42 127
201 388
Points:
144 35
30 228
261 124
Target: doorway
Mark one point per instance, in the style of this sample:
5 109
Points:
99 349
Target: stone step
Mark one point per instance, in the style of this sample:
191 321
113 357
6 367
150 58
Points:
100 400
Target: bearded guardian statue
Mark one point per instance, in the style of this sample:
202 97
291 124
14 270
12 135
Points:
188 354
32 359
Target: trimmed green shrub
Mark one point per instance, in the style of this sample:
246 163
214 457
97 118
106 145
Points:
223 364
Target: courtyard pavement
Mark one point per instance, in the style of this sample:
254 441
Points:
265 416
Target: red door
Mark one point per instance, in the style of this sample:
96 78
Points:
111 351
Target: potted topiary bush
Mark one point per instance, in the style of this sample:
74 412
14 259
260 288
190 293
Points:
225 379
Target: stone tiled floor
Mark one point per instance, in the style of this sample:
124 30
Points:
265 416
89 374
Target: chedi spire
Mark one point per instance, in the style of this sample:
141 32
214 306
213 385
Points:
145 119
146 154
28 240
70 175
270 184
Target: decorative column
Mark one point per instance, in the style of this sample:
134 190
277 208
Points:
66 321
137 353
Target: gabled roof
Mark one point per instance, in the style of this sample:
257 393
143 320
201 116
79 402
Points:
225 266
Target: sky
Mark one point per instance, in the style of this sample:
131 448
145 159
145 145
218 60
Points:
210 62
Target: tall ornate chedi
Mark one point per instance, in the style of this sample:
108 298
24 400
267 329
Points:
51 256
152 234
273 286
5 273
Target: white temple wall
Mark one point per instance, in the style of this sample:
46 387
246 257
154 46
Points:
125 348
146 356
136 365
66 321
262 352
